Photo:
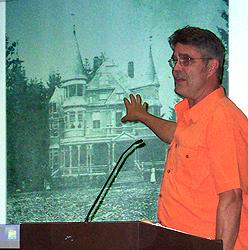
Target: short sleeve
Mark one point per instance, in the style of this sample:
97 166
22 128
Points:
223 151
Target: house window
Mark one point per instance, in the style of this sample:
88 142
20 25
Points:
118 117
103 96
54 129
52 108
66 121
96 120
80 116
55 159
120 96
96 124
79 90
72 90
66 92
51 160
80 119
72 116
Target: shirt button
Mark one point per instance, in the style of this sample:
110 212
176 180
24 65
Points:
187 156
168 171
160 195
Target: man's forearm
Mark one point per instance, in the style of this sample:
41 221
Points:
164 129
228 217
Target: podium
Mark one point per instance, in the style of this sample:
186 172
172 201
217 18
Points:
109 236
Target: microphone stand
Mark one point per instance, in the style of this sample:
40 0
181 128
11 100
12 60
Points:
114 172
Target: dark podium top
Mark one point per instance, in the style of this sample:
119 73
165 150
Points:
109 236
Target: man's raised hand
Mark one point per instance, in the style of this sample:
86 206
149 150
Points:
134 109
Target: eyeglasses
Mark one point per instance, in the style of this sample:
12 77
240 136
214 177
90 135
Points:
184 61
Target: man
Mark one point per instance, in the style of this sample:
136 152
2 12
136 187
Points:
205 184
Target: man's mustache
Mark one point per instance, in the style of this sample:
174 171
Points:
179 75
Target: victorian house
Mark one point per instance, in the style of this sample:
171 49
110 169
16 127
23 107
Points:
86 133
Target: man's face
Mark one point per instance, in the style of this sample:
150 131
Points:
191 80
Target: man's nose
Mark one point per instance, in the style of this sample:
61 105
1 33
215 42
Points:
177 68
177 65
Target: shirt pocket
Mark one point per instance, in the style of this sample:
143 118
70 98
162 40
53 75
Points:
191 167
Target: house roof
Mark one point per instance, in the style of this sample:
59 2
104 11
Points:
74 67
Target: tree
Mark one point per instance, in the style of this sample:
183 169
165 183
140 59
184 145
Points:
16 84
27 125
172 110
54 80
224 36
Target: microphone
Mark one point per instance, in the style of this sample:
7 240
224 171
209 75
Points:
113 175
140 141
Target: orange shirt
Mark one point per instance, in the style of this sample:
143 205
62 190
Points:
208 155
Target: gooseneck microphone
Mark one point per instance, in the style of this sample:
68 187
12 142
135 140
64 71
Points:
113 175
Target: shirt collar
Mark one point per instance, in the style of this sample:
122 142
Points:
205 106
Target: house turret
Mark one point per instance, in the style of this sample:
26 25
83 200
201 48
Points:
74 86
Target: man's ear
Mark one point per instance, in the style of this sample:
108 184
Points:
213 66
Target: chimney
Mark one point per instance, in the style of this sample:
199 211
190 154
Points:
96 63
130 69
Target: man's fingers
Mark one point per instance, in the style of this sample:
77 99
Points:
138 99
132 99
124 119
126 101
145 106
134 108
